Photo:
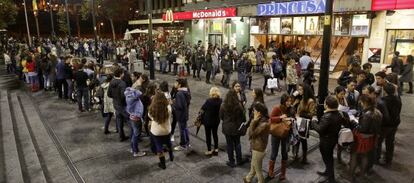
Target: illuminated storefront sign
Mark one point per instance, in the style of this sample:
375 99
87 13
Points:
291 8
200 14
392 4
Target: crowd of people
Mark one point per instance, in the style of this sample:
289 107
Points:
360 114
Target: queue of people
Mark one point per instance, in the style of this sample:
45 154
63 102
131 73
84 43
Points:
364 106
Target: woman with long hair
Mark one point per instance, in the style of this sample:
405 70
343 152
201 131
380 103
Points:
306 109
230 112
258 136
237 87
279 114
257 95
211 119
160 114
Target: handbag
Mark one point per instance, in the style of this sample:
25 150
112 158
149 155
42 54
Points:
281 129
199 120
346 137
272 83
243 128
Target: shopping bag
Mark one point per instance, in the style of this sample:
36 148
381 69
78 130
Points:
272 83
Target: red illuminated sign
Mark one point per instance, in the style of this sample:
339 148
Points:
392 4
201 14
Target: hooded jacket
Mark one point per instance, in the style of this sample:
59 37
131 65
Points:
134 106
181 104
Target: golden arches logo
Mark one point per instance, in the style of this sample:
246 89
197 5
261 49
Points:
169 16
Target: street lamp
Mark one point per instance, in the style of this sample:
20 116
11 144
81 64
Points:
67 16
51 17
27 24
150 44
93 11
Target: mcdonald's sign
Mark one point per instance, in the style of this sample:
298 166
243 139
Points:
169 16
199 14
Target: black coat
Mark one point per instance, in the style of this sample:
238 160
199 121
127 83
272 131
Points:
393 104
116 92
329 125
370 122
211 110
232 119
181 104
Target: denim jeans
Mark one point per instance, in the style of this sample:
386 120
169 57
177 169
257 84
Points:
83 93
107 120
135 132
121 118
70 88
184 137
276 142
233 144
46 81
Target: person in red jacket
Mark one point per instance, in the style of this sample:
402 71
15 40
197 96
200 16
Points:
31 69
280 113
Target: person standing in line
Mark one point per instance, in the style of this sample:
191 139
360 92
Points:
181 106
328 128
236 86
242 66
61 80
407 74
160 114
369 124
370 79
291 76
309 76
8 62
108 107
211 119
389 128
230 112
81 79
258 133
352 94
280 113
135 109
116 92
306 109
69 78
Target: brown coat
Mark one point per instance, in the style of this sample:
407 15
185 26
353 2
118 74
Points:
259 134
307 110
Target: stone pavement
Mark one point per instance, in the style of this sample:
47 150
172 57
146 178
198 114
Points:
102 158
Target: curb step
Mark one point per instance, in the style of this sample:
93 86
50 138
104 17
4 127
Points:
54 166
32 169
12 164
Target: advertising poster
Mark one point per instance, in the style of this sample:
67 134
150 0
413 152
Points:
274 26
286 25
299 25
311 25
374 55
342 25
360 25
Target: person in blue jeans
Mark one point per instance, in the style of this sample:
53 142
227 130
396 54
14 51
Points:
82 89
232 114
181 107
135 109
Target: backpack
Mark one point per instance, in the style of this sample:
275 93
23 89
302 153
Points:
277 66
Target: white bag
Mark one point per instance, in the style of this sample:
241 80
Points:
345 136
272 83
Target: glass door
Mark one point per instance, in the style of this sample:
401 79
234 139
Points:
215 39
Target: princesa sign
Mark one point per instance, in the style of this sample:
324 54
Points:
292 8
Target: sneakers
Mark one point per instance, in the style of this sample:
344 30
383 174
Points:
139 154
230 164
172 138
180 148
208 153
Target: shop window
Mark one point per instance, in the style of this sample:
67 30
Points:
299 25
399 40
286 25
259 25
342 25
274 26
360 25
311 25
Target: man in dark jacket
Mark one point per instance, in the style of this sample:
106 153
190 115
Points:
198 61
116 92
242 66
396 64
389 128
328 128
181 108
227 66
81 79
